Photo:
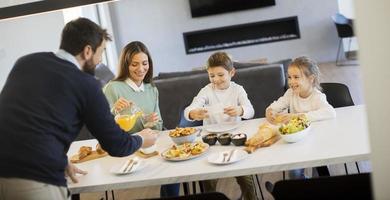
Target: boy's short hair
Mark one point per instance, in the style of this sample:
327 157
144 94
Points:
220 59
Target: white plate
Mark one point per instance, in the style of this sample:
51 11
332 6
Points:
217 157
185 158
218 128
118 168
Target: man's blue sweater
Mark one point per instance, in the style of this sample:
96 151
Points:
43 105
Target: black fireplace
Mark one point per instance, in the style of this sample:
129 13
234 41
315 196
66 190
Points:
241 35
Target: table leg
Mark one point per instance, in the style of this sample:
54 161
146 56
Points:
75 197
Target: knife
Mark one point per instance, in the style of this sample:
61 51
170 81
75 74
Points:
126 165
230 155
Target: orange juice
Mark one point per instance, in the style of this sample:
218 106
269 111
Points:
127 122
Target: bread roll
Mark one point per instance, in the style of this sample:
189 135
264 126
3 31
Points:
99 149
84 151
265 136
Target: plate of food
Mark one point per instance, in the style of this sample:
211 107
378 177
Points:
219 128
184 135
296 129
185 151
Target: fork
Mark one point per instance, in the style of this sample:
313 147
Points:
224 156
230 155
127 164
199 132
132 165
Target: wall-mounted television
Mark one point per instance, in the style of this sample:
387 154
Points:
201 8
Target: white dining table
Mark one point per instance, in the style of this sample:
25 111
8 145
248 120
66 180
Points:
340 140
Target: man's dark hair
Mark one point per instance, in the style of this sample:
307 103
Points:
81 32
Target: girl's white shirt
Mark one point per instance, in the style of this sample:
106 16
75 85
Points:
315 106
211 98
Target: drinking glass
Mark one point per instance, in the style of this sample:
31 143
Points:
147 120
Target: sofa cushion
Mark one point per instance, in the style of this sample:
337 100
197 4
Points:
263 84
163 75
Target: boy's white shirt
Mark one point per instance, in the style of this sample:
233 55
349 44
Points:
315 106
234 95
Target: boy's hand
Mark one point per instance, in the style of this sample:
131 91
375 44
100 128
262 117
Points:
198 114
233 111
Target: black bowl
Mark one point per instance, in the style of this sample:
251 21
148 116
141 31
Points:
210 138
239 139
225 138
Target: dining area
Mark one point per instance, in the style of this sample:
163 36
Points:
336 141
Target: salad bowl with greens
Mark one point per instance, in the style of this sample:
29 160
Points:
296 129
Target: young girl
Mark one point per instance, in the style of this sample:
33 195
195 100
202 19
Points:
233 102
133 87
302 98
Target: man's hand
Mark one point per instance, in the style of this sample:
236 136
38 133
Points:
148 136
233 111
198 114
71 171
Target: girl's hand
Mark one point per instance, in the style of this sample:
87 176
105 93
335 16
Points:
198 114
283 118
270 116
277 118
233 111
121 104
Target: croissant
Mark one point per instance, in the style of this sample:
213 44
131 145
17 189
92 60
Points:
265 136
84 151
99 149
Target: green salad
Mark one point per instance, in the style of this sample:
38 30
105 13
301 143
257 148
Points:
297 123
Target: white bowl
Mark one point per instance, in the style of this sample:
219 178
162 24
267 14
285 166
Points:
184 139
148 150
297 136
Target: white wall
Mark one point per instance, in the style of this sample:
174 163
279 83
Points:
160 24
20 36
373 30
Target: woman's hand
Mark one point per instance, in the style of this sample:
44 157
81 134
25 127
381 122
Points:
121 104
233 111
71 171
198 114
151 120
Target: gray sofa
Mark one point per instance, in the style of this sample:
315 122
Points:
263 84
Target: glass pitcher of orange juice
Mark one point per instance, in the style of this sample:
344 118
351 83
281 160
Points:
127 118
